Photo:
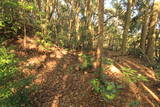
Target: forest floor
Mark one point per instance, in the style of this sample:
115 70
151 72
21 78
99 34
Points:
62 84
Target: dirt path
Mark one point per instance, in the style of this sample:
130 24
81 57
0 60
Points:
60 82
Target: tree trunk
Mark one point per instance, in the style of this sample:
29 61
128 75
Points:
47 11
126 27
100 38
39 4
152 30
25 36
77 26
89 23
144 31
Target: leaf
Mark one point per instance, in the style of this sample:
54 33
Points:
119 86
110 87
110 97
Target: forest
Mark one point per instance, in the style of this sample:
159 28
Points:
79 53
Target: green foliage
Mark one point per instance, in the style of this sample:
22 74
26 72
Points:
86 61
62 40
46 40
134 103
158 68
13 91
136 52
108 90
158 71
107 61
44 43
28 6
1 24
132 76
13 15
70 68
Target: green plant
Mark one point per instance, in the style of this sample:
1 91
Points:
46 40
13 15
13 85
132 75
158 72
86 61
136 52
70 68
108 90
31 66
107 61
44 43
134 103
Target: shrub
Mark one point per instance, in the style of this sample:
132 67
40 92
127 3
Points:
13 15
13 91
158 71
86 61
134 103
107 61
108 90
137 52
132 76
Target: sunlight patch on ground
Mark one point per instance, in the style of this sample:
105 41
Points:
113 71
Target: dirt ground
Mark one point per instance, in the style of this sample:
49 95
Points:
62 84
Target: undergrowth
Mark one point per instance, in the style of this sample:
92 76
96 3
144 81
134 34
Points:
14 87
102 85
131 75
158 72
86 61
46 40
107 89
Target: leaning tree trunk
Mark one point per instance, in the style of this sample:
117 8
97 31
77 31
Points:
152 31
100 38
126 27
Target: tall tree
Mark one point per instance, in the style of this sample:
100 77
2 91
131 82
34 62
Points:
126 26
88 14
144 26
100 38
152 31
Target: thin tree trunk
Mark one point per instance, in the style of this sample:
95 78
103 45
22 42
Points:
77 20
126 27
156 45
25 36
89 22
39 4
100 38
47 10
144 31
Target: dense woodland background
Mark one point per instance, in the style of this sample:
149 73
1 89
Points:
107 51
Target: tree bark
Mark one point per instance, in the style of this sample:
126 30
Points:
100 38
89 22
152 31
144 30
126 27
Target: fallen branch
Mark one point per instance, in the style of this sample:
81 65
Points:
152 93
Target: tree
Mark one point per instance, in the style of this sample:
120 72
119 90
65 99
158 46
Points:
144 27
152 31
126 26
100 38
